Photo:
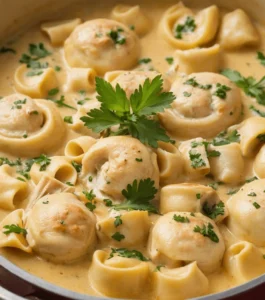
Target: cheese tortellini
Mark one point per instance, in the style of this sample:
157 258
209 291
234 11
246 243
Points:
205 104
247 213
115 162
185 30
174 241
29 127
103 45
237 31
118 276
60 219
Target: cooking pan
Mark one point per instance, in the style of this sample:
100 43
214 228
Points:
15 16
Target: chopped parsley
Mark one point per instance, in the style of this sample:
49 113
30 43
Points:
138 196
7 49
261 57
192 81
251 179
90 197
188 26
232 192
214 185
118 236
43 161
18 104
57 68
45 202
225 138
181 219
117 36
158 268
170 60
252 194
198 196
214 211
132 115
13 228
261 137
90 178
221 90
207 232
11 163
34 73
118 221
146 60
139 159
123 252
108 202
257 111
186 94
213 153
53 92
69 183
252 87
256 205
196 160
77 166
68 119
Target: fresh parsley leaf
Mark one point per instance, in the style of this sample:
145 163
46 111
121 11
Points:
118 221
158 268
207 232
11 163
68 119
181 219
69 183
57 68
213 153
188 26
252 194
257 111
261 57
214 211
145 60
7 49
221 90
139 159
232 192
108 202
256 205
123 252
196 160
213 185
118 236
77 166
53 92
43 161
249 85
131 115
225 138
38 51
34 73
186 94
198 196
170 60
89 195
192 81
138 196
18 104
90 206
117 36
261 138
13 228
251 179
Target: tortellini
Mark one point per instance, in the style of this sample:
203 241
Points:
180 283
115 162
244 261
133 225
12 190
59 31
103 45
81 79
185 30
190 197
60 219
35 86
198 60
132 16
59 167
29 127
118 276
237 31
247 213
205 104
259 163
173 242
13 240
228 167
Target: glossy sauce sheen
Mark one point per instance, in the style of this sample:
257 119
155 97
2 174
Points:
74 276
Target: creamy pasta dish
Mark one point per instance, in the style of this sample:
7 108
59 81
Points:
132 156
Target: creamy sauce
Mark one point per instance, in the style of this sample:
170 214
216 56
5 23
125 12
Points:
74 276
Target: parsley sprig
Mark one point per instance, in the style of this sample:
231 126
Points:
188 26
61 101
224 138
207 232
213 211
252 87
132 115
138 196
13 228
123 252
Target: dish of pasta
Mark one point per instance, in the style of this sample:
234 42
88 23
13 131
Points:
132 156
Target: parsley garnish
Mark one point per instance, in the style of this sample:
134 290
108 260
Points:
90 178
7 49
252 194
249 85
221 90
145 60
107 202
43 161
18 104
90 197
118 221
118 236
34 73
251 179
192 81
139 159
116 36
77 166
6 161
45 202
261 58
261 137
198 196
186 94
256 205
213 185
214 211
196 160
123 252
225 138
232 192
68 119
170 60
207 232
14 229
69 183
57 68
131 115
188 26
158 268
213 153
60 102
138 196
257 111
181 219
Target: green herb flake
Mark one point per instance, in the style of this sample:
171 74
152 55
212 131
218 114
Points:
77 166
13 228
221 90
57 68
158 268
68 119
170 60
186 94
146 60
123 252
89 195
225 138
232 192
90 178
118 236
213 153
69 183
196 160
7 49
108 202
117 36
181 219
207 232
252 194
188 26
198 196
45 202
18 104
261 138
215 210
256 205
257 111
261 58
139 159
43 161
251 179
118 221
